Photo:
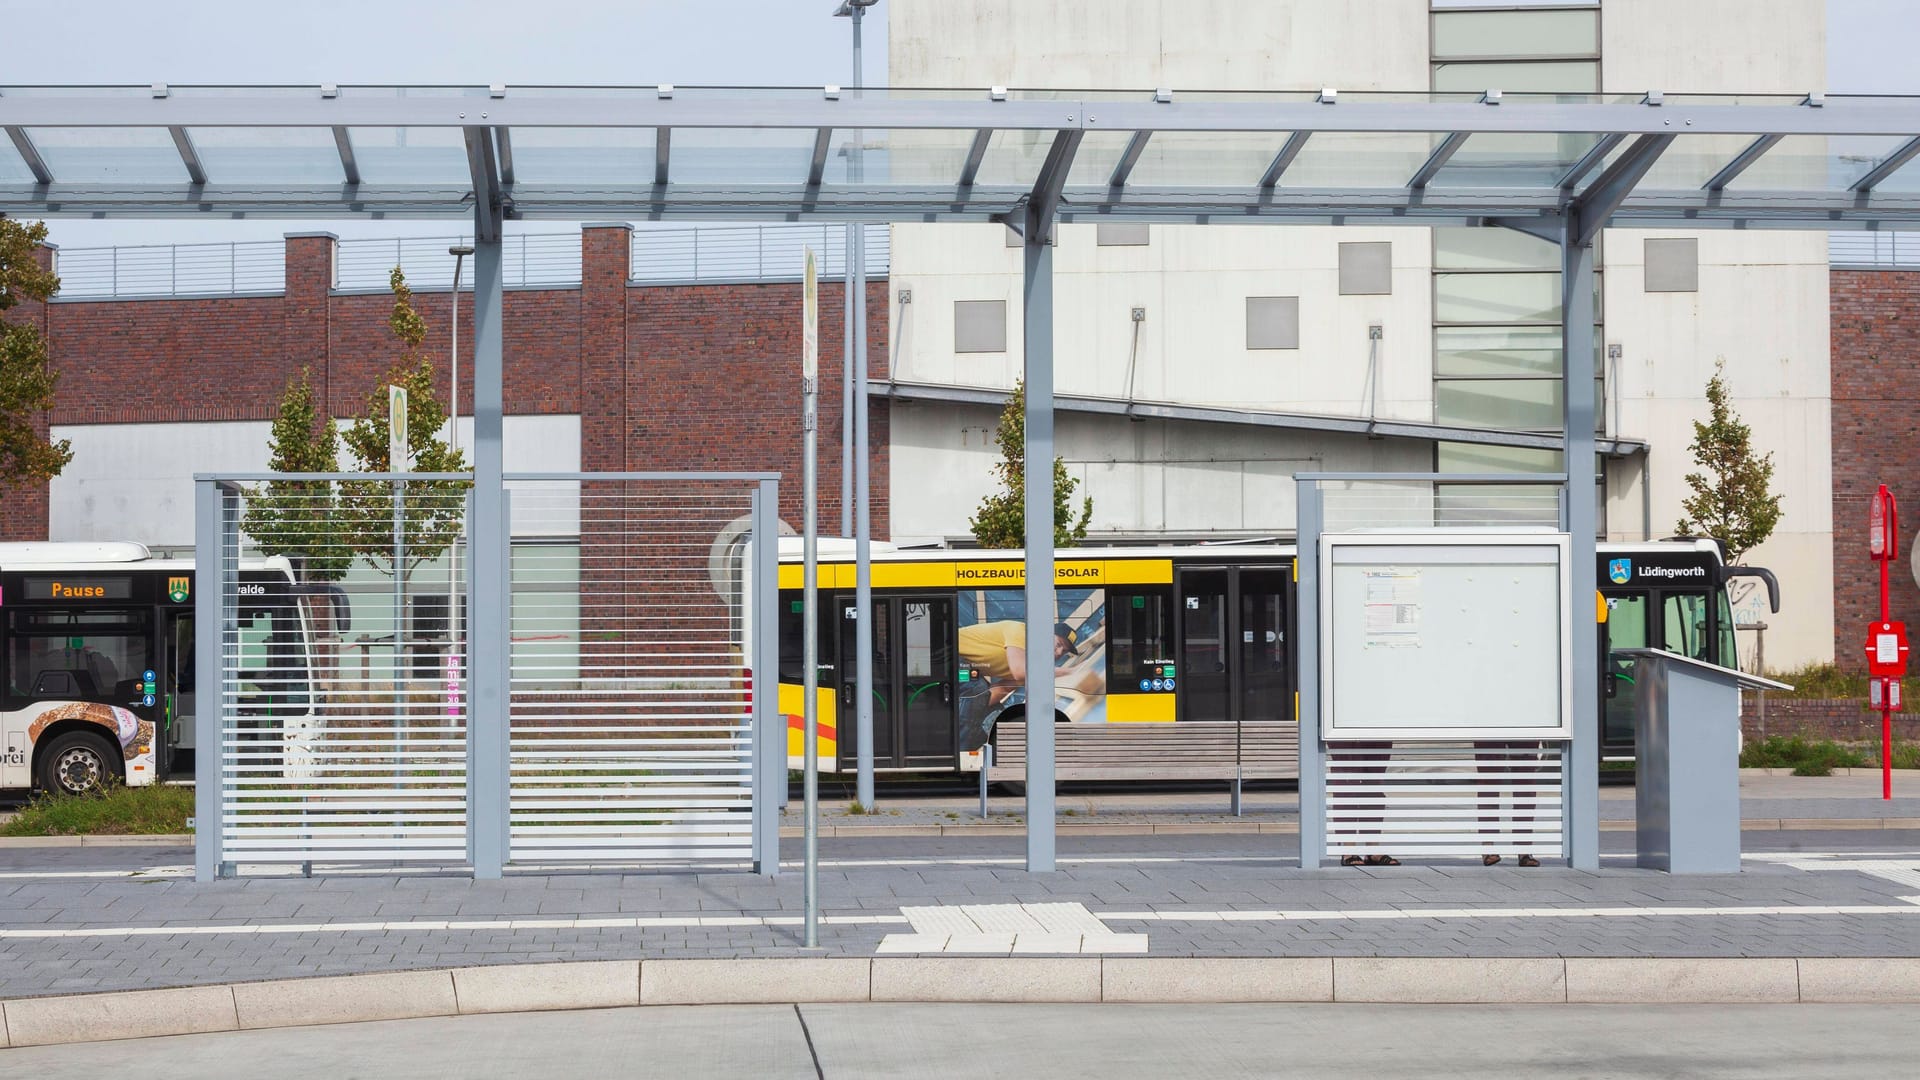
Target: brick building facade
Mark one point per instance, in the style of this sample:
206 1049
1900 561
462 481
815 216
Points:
663 377
1875 321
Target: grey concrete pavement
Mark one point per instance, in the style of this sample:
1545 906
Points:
1098 1042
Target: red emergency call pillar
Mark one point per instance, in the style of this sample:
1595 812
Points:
1886 640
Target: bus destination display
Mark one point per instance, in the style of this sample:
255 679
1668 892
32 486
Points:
81 588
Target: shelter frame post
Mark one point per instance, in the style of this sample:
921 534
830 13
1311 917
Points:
209 614
489 645
1309 520
1577 340
1037 348
769 741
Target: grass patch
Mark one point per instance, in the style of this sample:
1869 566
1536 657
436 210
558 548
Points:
857 810
1807 757
114 811
1820 682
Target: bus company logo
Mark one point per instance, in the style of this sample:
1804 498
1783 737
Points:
178 589
1620 571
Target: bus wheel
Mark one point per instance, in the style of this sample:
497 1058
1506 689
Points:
77 763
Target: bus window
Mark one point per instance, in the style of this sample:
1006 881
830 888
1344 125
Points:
1140 637
1686 625
792 638
79 655
1625 628
273 676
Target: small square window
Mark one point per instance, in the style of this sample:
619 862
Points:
1273 322
1123 234
979 326
1366 269
1673 265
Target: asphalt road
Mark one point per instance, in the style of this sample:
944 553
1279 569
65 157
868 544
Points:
1099 1042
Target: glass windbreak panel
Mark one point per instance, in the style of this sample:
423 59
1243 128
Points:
80 656
1515 404
1346 159
1491 159
582 155
1626 628
1817 162
1474 458
1496 504
1515 33
1496 298
1496 350
1685 625
410 155
1492 249
1140 643
107 154
1535 77
268 155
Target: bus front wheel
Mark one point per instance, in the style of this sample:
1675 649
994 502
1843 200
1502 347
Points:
77 763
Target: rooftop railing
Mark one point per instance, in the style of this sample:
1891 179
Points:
1873 250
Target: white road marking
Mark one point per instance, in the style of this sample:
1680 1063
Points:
1008 929
416 925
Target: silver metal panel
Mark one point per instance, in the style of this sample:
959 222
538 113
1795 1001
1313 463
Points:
1123 234
1672 264
1366 269
1273 322
979 326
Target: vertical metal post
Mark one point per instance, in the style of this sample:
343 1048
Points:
1309 520
401 718
863 540
489 646
1583 770
769 726
846 384
209 548
1037 345
810 608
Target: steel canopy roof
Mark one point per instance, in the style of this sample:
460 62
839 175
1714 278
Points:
1529 160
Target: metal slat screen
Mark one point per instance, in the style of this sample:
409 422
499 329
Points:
1444 799
631 706
342 731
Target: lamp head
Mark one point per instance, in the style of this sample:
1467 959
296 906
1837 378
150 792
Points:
460 249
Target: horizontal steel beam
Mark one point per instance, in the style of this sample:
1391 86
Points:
273 108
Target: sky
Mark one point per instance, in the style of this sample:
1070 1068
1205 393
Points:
1870 44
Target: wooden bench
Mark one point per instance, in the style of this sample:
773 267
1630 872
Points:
1186 750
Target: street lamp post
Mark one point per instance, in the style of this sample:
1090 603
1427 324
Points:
863 520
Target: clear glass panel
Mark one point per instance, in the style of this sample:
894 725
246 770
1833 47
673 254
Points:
1515 33
1228 159
582 155
1512 350
1013 158
1099 152
1513 404
1358 159
97 154
1474 458
905 155
1497 160
741 155
1492 249
1534 76
413 155
13 169
1495 504
1817 162
268 155
1496 298
1685 616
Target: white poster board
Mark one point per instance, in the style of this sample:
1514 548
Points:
1445 636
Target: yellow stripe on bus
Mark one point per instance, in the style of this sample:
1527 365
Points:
983 574
791 702
1140 708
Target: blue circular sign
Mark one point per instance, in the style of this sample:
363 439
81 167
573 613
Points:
1157 684
147 675
1146 684
1169 684
147 701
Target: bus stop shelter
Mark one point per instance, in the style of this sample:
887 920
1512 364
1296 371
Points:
1558 167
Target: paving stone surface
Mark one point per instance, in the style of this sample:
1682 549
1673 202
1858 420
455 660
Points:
81 919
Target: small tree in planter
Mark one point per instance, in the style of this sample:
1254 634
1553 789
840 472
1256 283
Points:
1001 520
1731 500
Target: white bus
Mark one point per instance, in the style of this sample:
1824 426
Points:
97 661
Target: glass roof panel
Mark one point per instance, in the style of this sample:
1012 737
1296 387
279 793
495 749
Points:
1904 181
1816 162
582 155
1690 161
776 156
1345 159
13 169
1225 159
1494 159
908 156
268 155
410 155
95 155
1099 152
1014 158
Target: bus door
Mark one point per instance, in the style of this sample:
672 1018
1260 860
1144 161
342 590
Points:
1233 648
913 684
177 688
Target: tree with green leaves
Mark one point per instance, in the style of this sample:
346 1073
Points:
27 380
1730 501
1001 521
434 509
298 518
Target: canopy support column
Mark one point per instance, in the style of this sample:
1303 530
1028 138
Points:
489 648
1036 342
1583 769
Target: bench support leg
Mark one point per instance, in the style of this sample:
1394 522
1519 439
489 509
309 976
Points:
1235 798
986 765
